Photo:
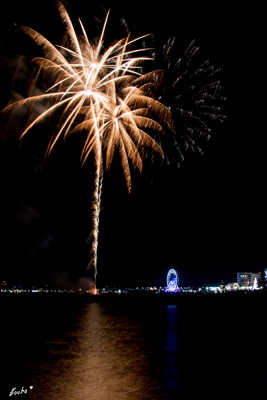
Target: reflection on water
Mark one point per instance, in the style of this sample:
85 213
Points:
171 355
98 354
129 350
109 360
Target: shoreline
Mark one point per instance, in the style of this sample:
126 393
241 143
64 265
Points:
165 298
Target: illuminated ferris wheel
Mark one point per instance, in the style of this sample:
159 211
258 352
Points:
172 281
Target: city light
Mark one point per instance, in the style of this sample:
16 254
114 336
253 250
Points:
172 281
246 282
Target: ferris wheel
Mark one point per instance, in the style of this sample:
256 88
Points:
172 281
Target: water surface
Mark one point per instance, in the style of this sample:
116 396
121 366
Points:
132 349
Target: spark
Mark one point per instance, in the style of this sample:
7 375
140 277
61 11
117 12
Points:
190 86
99 93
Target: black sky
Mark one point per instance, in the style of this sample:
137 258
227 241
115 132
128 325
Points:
207 218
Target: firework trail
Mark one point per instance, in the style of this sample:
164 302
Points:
101 94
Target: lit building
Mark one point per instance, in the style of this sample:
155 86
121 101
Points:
244 279
248 280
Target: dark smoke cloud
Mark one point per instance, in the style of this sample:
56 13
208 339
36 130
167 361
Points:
67 280
26 214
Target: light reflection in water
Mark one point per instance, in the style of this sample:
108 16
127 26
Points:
104 358
171 370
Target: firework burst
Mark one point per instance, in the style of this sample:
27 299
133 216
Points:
190 86
101 94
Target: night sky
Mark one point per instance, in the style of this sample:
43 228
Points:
207 218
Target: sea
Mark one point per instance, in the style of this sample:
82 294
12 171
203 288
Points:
56 347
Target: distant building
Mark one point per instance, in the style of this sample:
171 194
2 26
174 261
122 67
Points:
248 279
244 279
